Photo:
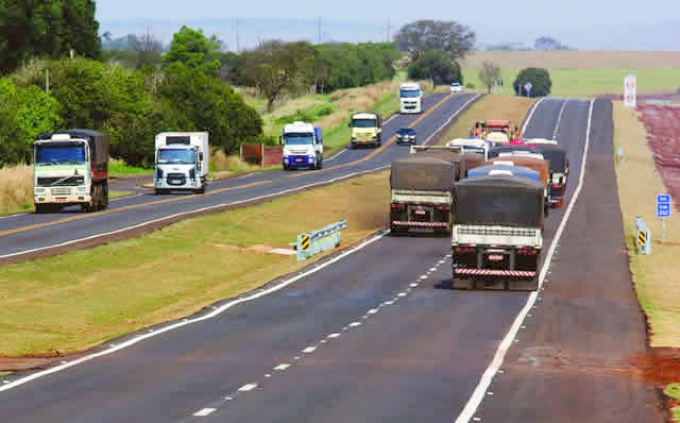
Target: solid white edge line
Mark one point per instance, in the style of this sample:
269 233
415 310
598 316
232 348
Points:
559 119
531 114
208 316
478 394
453 116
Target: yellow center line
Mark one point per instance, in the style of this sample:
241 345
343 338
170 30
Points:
220 190
125 208
378 150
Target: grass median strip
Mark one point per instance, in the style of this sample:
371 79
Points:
77 300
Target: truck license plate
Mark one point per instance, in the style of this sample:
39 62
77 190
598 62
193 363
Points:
420 211
298 160
495 257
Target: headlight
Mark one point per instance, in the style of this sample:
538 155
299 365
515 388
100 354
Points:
40 190
82 189
354 139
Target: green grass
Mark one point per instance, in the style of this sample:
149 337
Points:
590 82
119 168
673 391
5 373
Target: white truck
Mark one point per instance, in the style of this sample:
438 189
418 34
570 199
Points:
181 162
410 98
302 146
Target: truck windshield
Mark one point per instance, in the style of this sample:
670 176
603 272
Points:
173 156
363 123
53 154
473 149
298 139
409 93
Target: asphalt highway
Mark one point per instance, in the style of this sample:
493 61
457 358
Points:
375 336
30 232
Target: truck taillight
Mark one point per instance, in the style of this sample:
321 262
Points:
398 205
464 250
556 185
444 208
527 251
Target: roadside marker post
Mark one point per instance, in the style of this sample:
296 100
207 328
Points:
644 236
663 212
315 242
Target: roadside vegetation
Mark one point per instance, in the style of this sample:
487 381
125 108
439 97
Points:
228 253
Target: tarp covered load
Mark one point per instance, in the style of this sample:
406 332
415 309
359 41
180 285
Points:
472 160
509 148
555 154
422 172
541 166
519 171
453 155
499 200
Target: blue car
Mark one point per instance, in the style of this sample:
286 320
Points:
406 136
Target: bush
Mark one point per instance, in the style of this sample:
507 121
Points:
539 79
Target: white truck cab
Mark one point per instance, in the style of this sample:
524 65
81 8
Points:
410 98
302 146
181 162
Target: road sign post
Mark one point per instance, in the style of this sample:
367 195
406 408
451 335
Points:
630 91
663 212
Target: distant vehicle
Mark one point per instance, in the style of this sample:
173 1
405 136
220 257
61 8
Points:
406 136
456 87
366 129
410 98
471 145
181 162
71 168
302 146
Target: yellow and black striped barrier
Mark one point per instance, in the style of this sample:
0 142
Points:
644 236
314 242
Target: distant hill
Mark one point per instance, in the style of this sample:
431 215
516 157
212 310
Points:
651 37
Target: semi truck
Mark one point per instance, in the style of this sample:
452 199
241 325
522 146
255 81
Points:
497 233
71 168
421 194
366 129
559 170
302 146
411 98
181 162
471 145
533 161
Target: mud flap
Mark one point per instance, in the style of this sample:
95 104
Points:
462 283
523 285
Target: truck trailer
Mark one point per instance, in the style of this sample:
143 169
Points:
181 162
454 154
497 234
71 168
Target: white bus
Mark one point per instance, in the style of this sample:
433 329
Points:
410 98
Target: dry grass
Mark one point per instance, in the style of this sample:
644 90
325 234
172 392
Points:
16 188
221 162
490 107
37 299
655 275
575 59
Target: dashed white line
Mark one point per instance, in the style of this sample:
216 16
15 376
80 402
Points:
413 285
282 366
478 395
204 412
388 303
559 119
402 294
355 324
309 350
373 311
248 387
423 277
333 335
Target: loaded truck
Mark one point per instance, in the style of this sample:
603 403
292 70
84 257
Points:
497 233
181 162
366 129
410 98
302 146
559 170
421 194
453 154
71 168
533 161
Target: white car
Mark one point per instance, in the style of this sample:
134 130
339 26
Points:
456 87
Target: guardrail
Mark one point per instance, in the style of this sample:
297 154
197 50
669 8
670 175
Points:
643 237
314 242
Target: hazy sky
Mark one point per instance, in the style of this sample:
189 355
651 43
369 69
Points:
583 24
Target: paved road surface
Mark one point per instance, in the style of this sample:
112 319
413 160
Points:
374 337
27 232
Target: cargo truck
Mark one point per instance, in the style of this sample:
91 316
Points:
471 145
71 168
559 170
302 146
411 98
533 161
421 194
366 129
181 162
497 233
453 154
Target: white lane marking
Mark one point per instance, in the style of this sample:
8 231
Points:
388 302
309 350
413 285
432 269
248 387
423 277
402 294
203 209
477 396
452 117
333 335
282 367
204 412
344 150
355 324
186 322
559 120
530 115
373 311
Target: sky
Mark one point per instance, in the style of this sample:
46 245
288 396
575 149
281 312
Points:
574 21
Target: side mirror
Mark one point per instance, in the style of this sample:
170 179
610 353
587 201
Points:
200 155
561 180
28 158
280 139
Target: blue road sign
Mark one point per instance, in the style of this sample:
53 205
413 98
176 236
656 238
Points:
663 206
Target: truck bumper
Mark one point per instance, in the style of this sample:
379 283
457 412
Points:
64 198
299 162
398 226
186 185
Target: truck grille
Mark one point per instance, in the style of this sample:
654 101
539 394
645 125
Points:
496 232
176 179
72 181
60 191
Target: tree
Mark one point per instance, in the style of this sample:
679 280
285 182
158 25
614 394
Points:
192 48
148 50
489 74
434 65
549 43
276 66
539 79
450 37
